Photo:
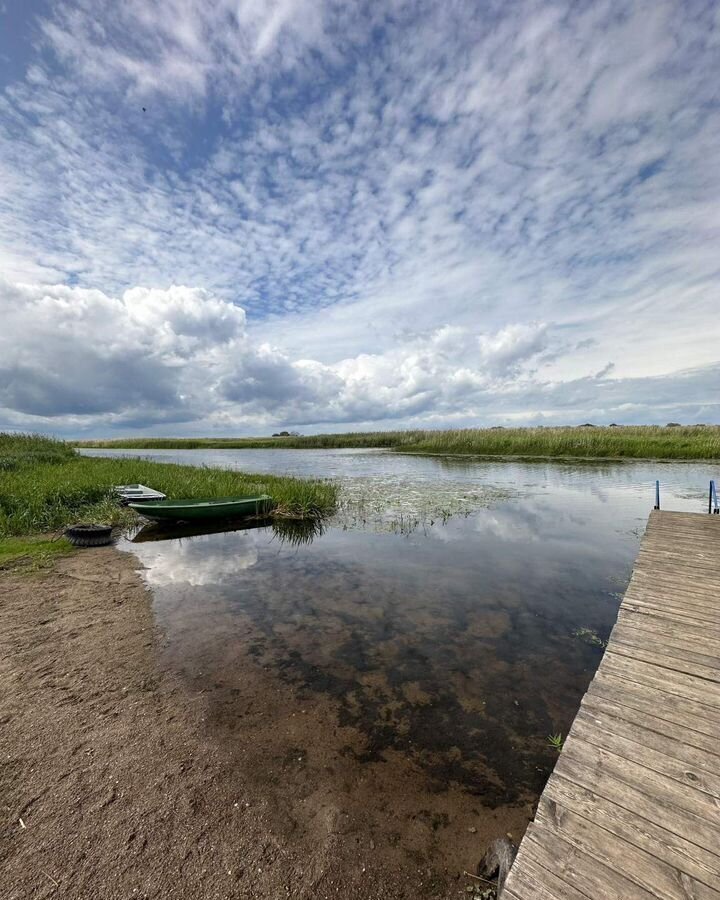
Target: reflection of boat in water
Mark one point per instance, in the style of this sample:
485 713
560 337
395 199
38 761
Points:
288 531
157 531
204 509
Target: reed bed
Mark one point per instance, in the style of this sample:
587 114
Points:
587 442
47 485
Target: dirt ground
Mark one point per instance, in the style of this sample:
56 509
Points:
120 780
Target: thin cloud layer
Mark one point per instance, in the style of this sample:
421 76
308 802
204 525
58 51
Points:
372 207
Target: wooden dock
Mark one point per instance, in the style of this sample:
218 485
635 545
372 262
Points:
632 809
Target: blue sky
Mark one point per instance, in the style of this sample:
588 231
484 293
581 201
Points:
233 217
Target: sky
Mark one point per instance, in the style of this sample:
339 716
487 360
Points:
230 217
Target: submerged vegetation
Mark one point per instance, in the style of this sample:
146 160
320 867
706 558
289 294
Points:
590 636
384 503
45 484
590 442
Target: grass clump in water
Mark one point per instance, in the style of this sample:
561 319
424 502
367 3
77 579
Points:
589 442
48 485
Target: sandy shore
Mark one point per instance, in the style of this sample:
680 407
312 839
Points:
119 780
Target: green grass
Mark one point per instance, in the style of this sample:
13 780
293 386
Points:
629 442
48 486
30 552
18 450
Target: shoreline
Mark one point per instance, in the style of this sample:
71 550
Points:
500 457
646 442
132 776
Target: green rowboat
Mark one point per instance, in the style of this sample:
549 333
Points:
207 508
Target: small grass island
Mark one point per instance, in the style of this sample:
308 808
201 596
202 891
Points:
45 484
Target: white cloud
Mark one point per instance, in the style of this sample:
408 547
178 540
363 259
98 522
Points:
373 208
154 359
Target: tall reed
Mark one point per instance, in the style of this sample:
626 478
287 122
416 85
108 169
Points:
631 442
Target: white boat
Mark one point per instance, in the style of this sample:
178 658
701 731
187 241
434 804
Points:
137 493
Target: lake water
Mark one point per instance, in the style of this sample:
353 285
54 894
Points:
460 643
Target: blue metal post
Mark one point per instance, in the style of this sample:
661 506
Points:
657 495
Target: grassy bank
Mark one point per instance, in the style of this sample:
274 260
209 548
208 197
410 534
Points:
44 485
631 442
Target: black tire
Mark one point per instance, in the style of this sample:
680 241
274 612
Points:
89 535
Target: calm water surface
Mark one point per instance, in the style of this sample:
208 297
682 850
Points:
454 643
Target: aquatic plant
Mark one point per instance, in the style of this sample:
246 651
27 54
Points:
556 741
589 636
49 485
586 442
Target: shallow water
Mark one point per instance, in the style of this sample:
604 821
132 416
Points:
454 644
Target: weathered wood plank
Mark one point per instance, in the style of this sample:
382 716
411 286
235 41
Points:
589 874
680 614
673 819
686 604
605 733
683 712
665 625
529 878
675 645
632 810
649 871
664 789
627 824
665 661
672 739
697 689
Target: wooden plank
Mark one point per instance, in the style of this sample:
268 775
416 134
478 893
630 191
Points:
665 661
685 531
648 749
678 646
645 869
695 603
681 612
667 564
670 522
681 853
692 580
698 689
528 878
684 713
665 560
574 866
674 819
690 553
684 535
627 720
686 583
646 576
653 784
665 625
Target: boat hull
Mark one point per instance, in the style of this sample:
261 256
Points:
206 509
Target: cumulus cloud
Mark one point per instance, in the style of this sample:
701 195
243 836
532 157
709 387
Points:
373 206
182 353
153 359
